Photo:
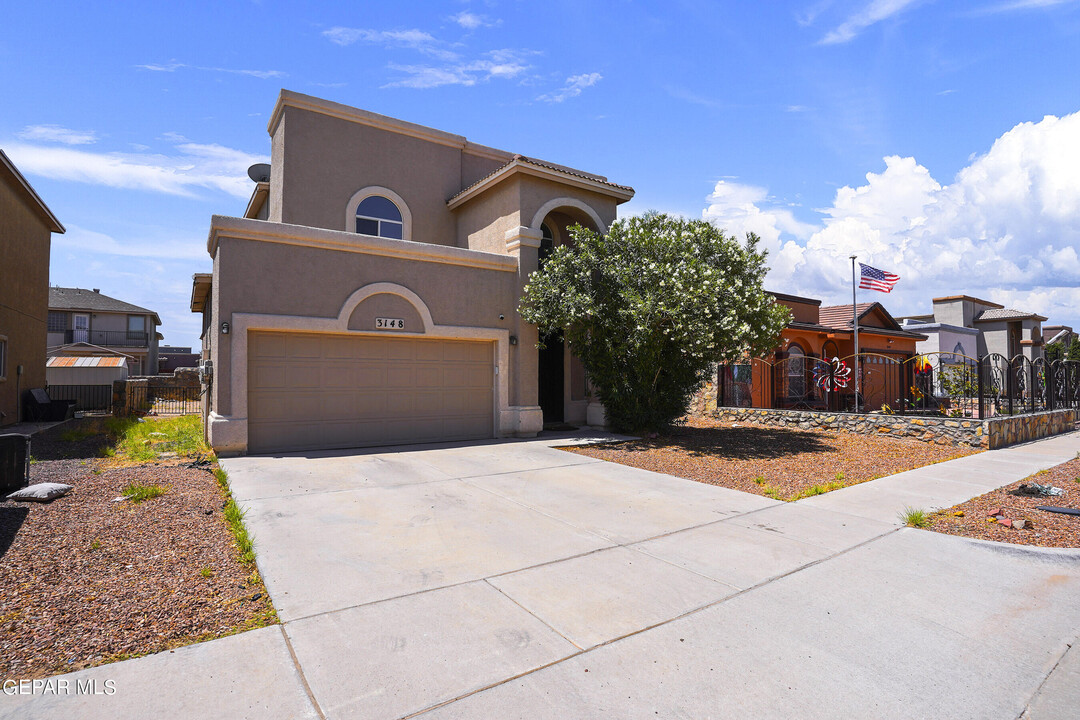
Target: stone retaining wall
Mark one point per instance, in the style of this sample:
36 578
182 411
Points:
990 434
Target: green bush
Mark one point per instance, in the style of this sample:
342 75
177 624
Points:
649 307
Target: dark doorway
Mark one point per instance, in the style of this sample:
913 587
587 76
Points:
551 378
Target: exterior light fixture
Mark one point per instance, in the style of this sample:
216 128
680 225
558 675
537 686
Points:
513 339
224 328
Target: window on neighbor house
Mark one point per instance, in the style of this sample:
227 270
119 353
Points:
379 217
796 372
57 321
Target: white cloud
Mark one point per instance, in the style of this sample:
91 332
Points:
575 85
873 13
1024 5
174 66
472 21
497 64
414 39
1007 228
80 240
195 166
57 133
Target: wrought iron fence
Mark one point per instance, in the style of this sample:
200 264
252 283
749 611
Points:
150 400
943 384
88 398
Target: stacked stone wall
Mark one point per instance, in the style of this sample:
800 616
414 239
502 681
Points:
990 434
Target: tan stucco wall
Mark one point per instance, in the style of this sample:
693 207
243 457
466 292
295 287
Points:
320 161
24 297
248 278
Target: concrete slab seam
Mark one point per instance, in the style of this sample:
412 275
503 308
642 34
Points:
300 672
544 622
650 627
1027 706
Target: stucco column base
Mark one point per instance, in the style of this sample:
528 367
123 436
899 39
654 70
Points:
521 421
227 435
596 415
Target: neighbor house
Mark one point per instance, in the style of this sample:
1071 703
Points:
369 295
26 227
85 323
786 379
1058 335
963 326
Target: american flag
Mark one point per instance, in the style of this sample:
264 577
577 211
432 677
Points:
874 279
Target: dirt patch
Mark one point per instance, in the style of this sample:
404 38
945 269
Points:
1041 528
85 580
776 462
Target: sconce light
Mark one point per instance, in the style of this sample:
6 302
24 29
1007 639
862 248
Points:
501 317
224 328
513 339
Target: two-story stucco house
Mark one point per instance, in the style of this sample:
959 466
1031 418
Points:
369 295
26 227
967 326
85 322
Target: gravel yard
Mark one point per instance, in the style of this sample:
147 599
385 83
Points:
85 580
973 519
776 462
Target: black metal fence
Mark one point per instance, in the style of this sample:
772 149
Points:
150 400
942 384
88 398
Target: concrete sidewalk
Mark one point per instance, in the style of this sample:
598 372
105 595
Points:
945 484
514 580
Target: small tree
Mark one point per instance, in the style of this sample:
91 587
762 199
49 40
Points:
1055 351
649 308
1074 351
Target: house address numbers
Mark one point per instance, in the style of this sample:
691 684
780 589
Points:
389 323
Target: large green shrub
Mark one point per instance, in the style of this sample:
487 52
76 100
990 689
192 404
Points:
650 306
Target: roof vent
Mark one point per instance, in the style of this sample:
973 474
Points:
259 172
97 290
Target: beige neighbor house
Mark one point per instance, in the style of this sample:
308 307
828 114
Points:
26 227
85 323
369 295
961 325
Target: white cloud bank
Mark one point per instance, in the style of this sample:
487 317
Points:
57 133
193 166
1007 228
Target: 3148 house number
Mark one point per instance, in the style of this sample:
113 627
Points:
389 323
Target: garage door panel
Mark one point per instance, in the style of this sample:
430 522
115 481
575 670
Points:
310 391
401 376
269 376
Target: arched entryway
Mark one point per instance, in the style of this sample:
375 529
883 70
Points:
561 384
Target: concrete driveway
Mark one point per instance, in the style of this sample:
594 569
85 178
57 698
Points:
513 580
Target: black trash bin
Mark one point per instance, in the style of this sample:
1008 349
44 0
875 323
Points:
14 462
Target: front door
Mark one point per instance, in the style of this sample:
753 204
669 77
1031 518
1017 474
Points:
552 378
80 325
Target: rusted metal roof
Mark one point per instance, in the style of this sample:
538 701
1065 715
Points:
86 362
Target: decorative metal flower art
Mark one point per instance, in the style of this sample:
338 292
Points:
832 375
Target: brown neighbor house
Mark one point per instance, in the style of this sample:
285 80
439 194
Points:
785 379
369 294
26 227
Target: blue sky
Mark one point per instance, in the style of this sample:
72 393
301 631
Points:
937 140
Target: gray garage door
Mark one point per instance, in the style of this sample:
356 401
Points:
311 391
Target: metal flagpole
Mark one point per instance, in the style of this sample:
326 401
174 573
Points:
855 328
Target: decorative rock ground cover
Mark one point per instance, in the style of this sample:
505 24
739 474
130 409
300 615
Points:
85 580
785 463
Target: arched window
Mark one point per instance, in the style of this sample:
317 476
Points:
796 372
547 245
380 217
